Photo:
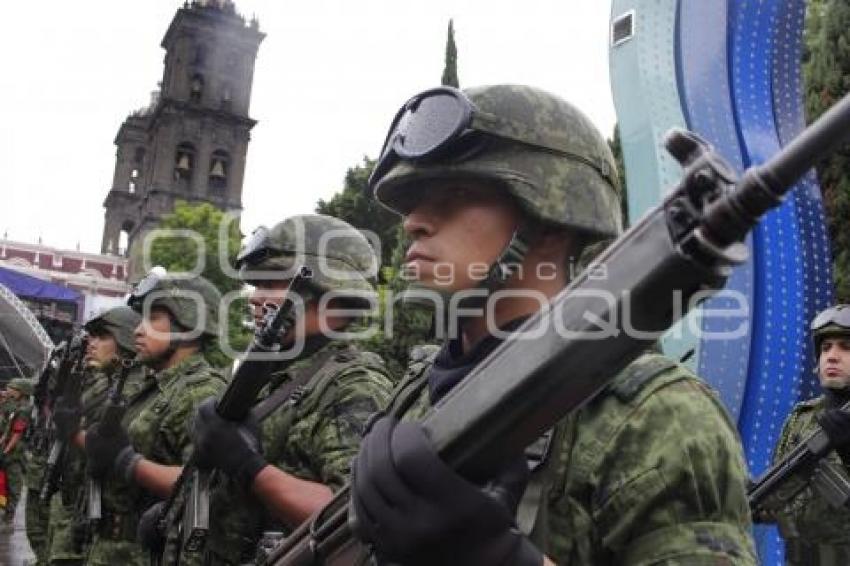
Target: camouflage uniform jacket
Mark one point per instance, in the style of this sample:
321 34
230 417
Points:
815 533
650 471
313 435
159 409
66 508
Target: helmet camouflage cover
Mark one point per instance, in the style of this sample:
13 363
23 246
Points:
120 322
193 302
21 384
340 257
832 321
580 193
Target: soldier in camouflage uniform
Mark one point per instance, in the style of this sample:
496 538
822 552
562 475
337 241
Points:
37 513
815 532
141 460
109 346
500 187
318 404
18 415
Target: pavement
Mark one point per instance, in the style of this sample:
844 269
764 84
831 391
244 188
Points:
14 548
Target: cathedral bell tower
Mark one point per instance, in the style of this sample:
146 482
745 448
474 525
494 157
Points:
191 142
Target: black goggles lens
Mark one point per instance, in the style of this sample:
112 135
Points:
838 315
429 122
256 246
423 126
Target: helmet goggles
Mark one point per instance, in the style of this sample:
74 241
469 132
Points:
257 247
839 315
142 289
434 121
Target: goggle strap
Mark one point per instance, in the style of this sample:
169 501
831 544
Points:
499 127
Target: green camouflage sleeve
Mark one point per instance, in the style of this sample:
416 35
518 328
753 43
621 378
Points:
665 482
175 423
329 436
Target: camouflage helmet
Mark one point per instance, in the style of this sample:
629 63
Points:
21 384
120 322
340 257
575 186
192 301
833 321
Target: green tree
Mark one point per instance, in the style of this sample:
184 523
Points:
826 71
354 205
411 324
181 253
617 149
450 68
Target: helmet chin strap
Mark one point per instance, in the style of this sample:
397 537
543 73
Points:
501 270
511 257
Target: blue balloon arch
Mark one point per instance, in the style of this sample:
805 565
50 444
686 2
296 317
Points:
730 70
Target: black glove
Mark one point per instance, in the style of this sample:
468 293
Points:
149 532
233 448
415 510
110 451
2 459
836 424
66 417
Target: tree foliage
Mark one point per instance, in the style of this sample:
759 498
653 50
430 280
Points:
617 149
826 68
179 253
354 205
450 68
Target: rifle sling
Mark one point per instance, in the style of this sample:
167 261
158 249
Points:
280 396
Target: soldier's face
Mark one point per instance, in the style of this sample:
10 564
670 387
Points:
834 362
102 349
152 336
458 231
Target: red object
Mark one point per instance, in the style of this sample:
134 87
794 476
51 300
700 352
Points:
4 493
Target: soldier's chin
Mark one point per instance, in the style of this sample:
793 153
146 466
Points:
94 364
836 382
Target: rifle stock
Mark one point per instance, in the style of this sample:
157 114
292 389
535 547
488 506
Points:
679 252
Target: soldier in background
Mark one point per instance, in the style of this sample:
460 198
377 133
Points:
815 532
318 403
140 461
650 471
12 452
110 348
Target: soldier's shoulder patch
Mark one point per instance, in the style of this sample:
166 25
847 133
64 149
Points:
637 374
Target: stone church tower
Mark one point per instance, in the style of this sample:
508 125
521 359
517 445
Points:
191 142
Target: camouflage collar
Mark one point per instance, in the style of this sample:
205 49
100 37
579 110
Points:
189 365
312 348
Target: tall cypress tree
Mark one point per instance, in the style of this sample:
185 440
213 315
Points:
450 68
827 78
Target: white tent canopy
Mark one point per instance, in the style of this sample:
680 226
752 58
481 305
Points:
24 345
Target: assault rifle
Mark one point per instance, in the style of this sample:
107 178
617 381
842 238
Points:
803 466
69 384
110 421
679 253
252 374
38 432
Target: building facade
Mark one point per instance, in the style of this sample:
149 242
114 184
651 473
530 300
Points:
191 142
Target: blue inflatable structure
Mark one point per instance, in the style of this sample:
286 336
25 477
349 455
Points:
730 70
